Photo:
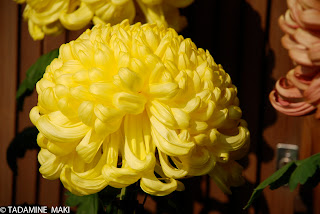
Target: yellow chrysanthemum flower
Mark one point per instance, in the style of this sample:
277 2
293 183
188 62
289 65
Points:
52 16
127 103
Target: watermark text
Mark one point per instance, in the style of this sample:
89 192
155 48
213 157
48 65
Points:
35 209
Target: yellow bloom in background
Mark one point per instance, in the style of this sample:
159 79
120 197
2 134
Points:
125 103
50 17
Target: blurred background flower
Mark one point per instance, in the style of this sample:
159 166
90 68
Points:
125 103
299 92
47 17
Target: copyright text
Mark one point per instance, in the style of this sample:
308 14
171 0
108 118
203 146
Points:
35 209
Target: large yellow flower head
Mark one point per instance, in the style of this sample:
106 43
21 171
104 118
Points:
127 103
52 16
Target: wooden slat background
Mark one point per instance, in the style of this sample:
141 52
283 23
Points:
241 35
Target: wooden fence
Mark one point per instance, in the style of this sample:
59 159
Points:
244 37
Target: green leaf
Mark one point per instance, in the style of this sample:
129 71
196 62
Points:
87 204
305 170
25 140
34 74
277 179
302 171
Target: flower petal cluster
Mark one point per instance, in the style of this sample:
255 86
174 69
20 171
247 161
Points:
125 103
51 17
298 93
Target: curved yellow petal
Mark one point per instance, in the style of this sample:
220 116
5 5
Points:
53 29
200 162
163 91
172 171
163 113
130 80
135 152
81 185
51 165
130 103
230 142
61 148
35 30
84 180
54 126
152 185
153 13
168 141
114 13
77 19
89 146
47 14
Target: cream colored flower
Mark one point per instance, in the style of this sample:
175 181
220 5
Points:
52 16
127 103
297 93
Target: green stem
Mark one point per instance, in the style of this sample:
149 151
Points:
128 200
123 193
122 197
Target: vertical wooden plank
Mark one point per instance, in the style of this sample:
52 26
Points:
8 84
26 182
285 130
281 128
310 141
248 73
50 190
251 69
260 7
251 76
306 149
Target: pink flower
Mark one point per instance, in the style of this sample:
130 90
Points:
299 92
